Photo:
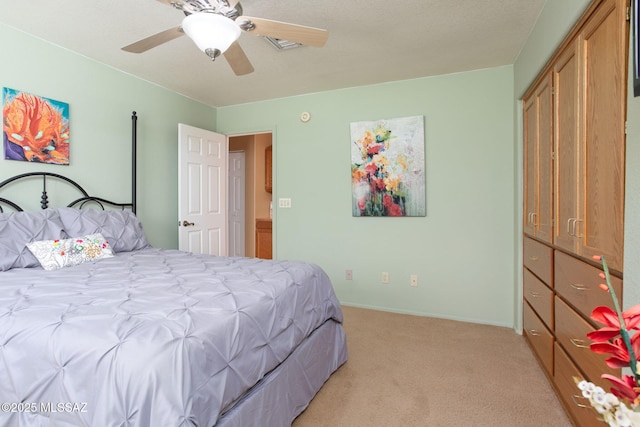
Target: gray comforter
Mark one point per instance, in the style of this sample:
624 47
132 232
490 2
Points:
150 338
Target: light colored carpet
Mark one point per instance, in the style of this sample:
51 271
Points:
418 371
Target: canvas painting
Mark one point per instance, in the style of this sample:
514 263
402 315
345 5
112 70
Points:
388 167
34 129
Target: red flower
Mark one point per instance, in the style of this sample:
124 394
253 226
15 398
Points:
371 169
620 357
393 209
609 318
614 339
374 149
623 388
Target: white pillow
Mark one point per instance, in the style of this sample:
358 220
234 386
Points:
54 254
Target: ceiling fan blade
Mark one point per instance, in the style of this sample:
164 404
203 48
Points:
238 60
154 40
284 31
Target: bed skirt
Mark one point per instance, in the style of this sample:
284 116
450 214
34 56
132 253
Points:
287 390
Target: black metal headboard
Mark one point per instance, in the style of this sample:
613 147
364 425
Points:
85 197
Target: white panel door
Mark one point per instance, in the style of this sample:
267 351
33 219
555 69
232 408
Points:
202 191
236 203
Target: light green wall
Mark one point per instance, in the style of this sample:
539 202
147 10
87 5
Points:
101 100
462 251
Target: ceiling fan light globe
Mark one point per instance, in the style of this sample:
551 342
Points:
211 31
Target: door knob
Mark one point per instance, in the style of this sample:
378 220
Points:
186 223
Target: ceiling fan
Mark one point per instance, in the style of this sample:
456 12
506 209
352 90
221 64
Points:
216 25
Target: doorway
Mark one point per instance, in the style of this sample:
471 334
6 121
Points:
257 192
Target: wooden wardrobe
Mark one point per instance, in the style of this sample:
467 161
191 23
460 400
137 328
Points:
574 119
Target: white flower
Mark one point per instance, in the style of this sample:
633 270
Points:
623 416
582 385
592 392
613 412
613 400
601 401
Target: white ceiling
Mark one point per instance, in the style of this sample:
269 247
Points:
370 41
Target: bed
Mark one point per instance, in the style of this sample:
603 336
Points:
98 328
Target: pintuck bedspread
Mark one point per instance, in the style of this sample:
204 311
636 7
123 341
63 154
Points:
151 337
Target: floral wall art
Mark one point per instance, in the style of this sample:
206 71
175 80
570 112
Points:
388 167
34 129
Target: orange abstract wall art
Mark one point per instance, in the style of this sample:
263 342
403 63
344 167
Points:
34 129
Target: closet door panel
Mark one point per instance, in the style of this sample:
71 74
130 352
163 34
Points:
530 120
566 75
602 182
544 220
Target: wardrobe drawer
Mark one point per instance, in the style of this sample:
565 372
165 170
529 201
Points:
581 411
571 333
539 337
540 297
579 283
539 259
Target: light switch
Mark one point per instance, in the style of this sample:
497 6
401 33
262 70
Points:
284 203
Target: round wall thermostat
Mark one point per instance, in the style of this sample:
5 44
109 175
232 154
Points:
305 117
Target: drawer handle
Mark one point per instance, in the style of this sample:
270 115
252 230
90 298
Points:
576 399
579 343
579 287
534 333
533 258
535 294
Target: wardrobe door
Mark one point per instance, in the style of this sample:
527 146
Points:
567 101
600 228
538 162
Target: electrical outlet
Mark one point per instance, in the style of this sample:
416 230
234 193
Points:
349 274
385 278
414 280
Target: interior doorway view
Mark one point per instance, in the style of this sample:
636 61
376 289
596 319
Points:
255 229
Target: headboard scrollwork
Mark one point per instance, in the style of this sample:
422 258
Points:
85 198
44 197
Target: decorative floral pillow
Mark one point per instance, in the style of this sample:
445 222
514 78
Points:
54 254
